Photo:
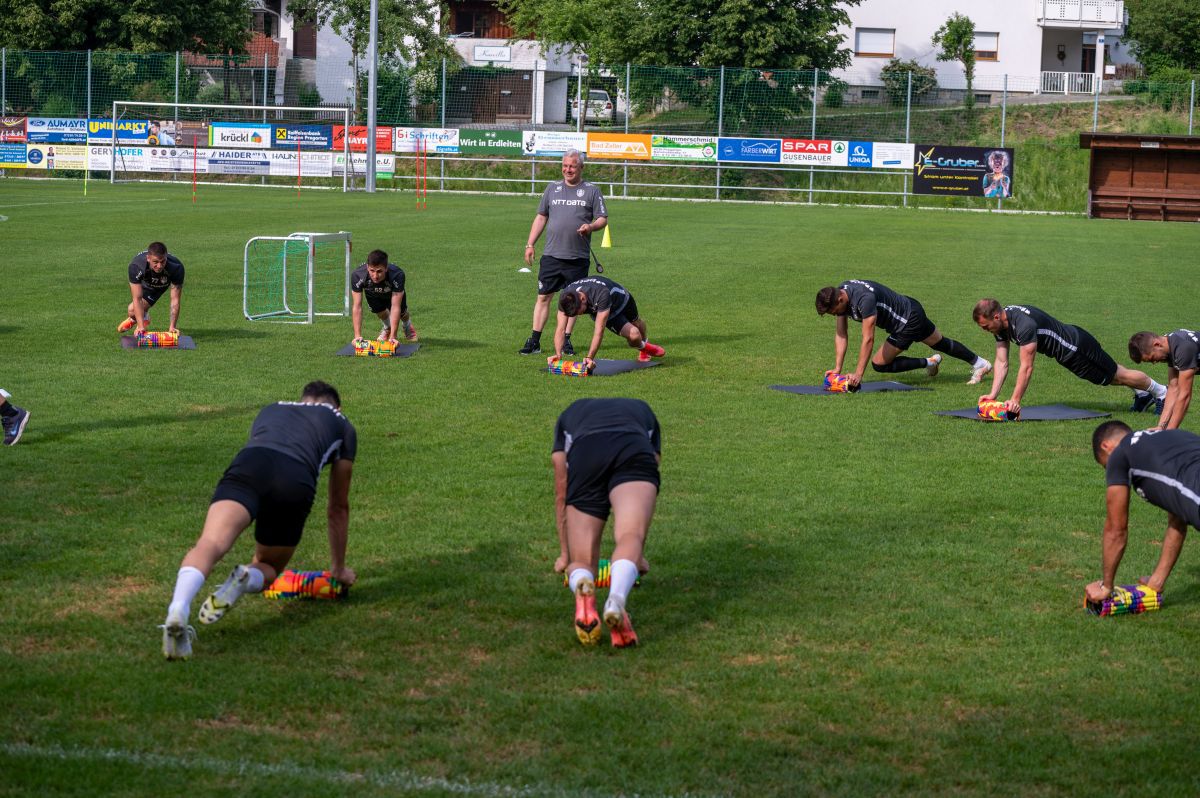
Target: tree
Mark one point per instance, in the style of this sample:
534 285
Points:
1164 33
895 77
142 26
956 38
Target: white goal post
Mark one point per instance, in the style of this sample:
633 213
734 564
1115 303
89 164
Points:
174 108
296 278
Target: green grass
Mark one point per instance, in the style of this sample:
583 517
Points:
848 596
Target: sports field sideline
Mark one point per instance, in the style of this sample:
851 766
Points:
848 595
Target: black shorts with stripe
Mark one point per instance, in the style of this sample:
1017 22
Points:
918 328
628 315
275 489
384 303
598 463
1089 361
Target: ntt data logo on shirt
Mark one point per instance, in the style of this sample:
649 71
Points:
748 150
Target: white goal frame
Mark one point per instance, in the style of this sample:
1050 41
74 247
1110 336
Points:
345 112
309 312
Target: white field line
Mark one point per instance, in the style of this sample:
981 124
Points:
386 779
81 202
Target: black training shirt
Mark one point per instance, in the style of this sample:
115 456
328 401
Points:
314 434
1163 468
1027 324
1183 348
608 417
602 294
155 282
869 298
361 282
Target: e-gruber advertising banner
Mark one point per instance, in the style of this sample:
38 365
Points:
627 146
56 156
12 129
48 130
683 148
963 171
490 142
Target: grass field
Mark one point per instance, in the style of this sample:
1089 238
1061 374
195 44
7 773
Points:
848 595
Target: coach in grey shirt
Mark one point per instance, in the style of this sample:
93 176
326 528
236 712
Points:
570 211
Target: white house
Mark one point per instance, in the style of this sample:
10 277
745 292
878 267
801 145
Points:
1041 45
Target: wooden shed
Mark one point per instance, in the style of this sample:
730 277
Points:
1151 177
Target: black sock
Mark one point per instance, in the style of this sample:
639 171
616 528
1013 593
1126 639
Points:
902 364
956 350
7 410
536 336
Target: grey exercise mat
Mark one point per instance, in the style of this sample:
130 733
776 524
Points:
402 350
607 368
867 387
1035 413
185 342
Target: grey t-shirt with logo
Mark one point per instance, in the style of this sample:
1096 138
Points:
1184 349
566 208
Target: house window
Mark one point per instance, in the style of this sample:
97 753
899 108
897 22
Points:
875 42
987 46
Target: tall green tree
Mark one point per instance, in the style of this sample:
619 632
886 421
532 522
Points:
142 26
1164 33
956 42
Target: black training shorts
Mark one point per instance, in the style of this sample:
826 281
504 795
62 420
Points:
598 463
151 297
276 489
384 303
555 273
627 315
918 328
1089 361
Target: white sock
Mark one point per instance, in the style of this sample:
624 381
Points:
187 585
578 574
254 582
1159 391
979 362
5 394
642 345
624 574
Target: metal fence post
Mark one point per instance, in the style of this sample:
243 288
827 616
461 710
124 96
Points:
3 79
89 90
625 183
442 158
177 86
1003 125
720 124
579 109
1095 104
1192 107
816 77
907 129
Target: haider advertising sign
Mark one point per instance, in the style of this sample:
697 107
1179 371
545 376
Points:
238 162
43 130
240 134
748 150
12 129
963 171
489 142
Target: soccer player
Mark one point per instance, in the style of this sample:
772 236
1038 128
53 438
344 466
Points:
874 304
151 273
570 211
606 455
12 419
383 284
1181 349
1033 331
1163 466
271 482
611 306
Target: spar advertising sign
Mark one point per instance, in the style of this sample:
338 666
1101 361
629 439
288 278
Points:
56 156
358 138
240 134
53 130
814 152
12 129
306 137
490 142
963 171
627 146
683 148
551 143
129 131
748 150
434 139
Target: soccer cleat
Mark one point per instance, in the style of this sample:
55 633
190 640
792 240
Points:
224 597
531 347
587 622
177 638
619 627
1144 400
978 374
126 325
933 364
1158 405
410 333
568 350
383 333
650 350
14 428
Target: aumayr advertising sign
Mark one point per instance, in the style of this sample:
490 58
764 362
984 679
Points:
433 139
683 148
240 134
551 143
129 131
55 130
748 150
814 152
56 156
963 171
625 146
306 137
489 142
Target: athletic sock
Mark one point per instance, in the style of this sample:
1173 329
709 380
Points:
1159 391
536 336
623 574
902 364
578 574
187 585
956 350
642 345
979 363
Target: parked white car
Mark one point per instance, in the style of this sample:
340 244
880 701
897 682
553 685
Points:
599 107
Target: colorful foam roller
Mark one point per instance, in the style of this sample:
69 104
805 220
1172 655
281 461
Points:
374 349
993 410
1126 600
306 585
570 368
838 383
603 574
157 340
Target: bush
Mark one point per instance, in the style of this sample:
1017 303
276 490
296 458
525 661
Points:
1170 88
895 80
835 94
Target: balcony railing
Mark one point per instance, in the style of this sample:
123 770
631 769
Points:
1081 13
1068 82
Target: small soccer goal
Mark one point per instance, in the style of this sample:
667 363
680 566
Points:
296 278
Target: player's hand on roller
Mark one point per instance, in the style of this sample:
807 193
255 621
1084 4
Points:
360 341
345 575
1013 406
589 364
550 361
173 330
394 341
987 397
1097 592
855 380
560 564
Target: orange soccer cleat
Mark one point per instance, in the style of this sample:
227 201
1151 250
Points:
587 621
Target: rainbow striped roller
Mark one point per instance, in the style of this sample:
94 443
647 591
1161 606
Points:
570 368
157 340
837 383
993 410
374 348
1126 600
306 585
603 574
